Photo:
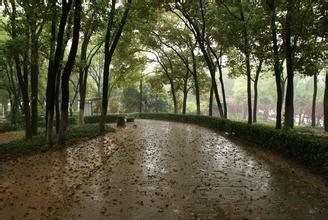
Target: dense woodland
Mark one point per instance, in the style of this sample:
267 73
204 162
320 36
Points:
230 59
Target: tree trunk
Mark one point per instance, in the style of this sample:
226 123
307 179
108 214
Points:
57 101
314 100
326 103
197 95
256 80
185 93
140 97
195 77
26 99
210 107
248 63
83 90
289 103
82 96
174 97
51 53
83 75
210 65
13 94
219 64
277 71
67 72
225 108
34 78
255 101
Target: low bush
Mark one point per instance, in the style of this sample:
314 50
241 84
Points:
309 149
6 126
20 123
109 118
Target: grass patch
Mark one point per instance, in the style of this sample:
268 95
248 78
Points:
37 143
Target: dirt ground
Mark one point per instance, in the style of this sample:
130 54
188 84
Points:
159 170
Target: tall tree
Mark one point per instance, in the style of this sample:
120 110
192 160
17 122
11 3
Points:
67 72
35 20
91 22
277 70
289 103
22 76
53 71
111 41
193 14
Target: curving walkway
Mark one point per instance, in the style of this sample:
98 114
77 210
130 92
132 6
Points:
159 170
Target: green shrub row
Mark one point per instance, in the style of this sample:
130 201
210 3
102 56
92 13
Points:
308 149
109 118
7 126
72 120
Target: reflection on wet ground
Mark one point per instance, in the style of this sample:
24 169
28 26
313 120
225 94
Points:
156 170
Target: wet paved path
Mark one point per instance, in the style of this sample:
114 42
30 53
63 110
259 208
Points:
158 170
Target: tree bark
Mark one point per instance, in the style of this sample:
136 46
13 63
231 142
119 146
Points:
52 49
34 78
83 87
248 63
83 74
225 108
256 80
185 93
210 107
326 103
195 77
289 103
314 99
219 64
26 98
212 72
277 70
141 94
67 73
13 93
174 97
57 101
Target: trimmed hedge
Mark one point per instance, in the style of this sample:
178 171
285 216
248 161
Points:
109 118
308 149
